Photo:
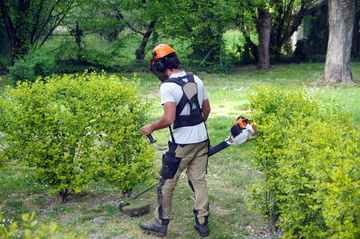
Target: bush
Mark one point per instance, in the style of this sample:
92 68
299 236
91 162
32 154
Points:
77 128
31 66
30 228
310 162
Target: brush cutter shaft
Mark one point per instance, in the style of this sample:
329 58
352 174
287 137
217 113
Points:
218 147
142 192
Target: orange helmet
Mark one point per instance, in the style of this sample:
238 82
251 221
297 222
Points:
162 50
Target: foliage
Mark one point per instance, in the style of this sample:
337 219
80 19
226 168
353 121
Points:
318 34
31 66
91 59
108 57
104 18
286 18
77 128
30 23
30 228
313 47
205 39
310 164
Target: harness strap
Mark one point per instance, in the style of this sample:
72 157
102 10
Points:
190 96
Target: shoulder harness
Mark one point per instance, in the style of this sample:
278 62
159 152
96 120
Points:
190 96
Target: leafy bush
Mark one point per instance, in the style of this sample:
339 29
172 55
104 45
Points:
77 128
29 228
309 156
73 58
108 57
31 66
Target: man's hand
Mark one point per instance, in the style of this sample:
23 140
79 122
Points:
166 119
147 129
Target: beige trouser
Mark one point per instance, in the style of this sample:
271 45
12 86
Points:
193 157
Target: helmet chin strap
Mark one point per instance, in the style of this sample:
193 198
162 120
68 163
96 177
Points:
157 74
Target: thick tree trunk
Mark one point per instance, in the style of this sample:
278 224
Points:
341 23
264 31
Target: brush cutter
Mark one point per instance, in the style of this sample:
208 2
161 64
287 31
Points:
241 132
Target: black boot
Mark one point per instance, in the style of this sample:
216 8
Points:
155 227
203 230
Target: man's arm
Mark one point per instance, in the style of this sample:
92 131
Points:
206 109
166 119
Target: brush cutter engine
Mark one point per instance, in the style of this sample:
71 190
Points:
241 132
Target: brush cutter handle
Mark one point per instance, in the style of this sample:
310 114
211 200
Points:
152 140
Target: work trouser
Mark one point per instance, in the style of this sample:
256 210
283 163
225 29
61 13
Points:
194 157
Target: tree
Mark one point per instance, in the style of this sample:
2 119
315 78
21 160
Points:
341 24
200 23
264 31
29 23
108 18
285 17
101 17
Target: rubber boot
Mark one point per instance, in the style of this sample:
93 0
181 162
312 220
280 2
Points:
155 227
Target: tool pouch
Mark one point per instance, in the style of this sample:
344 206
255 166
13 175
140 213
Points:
170 164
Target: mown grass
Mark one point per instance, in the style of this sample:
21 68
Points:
94 212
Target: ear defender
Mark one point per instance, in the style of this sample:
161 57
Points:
157 63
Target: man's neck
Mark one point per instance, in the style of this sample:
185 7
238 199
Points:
169 72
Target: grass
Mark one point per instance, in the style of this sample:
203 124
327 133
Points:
94 212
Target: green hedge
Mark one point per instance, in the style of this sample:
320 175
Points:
310 157
76 128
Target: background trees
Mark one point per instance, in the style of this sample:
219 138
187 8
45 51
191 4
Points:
266 26
200 24
29 23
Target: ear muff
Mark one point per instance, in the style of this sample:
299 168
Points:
158 63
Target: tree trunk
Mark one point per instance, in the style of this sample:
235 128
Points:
341 24
140 52
264 31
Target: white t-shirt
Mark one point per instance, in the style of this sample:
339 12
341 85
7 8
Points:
172 92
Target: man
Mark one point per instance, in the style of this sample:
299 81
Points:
187 107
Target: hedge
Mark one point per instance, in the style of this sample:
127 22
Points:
73 129
309 155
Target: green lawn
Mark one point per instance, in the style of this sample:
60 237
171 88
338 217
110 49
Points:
95 213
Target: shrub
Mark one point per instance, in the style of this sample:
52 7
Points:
309 156
77 128
30 228
31 66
